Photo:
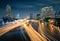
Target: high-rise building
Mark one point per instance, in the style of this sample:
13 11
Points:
31 15
18 16
8 10
58 15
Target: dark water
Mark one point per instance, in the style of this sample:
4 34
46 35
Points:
17 34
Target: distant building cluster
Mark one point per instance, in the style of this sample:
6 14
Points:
47 12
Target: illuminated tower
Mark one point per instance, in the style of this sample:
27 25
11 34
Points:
8 10
18 16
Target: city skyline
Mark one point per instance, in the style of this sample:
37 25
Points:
25 7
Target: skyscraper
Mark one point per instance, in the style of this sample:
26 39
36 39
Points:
8 10
31 15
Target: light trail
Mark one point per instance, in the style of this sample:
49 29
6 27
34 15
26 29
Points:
44 31
37 33
34 35
51 28
41 30
31 34
8 28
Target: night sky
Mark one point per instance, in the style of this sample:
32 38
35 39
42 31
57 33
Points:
25 7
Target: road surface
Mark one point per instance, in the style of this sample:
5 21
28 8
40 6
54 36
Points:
25 31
